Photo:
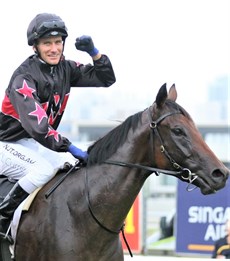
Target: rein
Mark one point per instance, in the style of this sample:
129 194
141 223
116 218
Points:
98 222
157 171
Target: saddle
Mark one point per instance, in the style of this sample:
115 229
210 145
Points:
7 239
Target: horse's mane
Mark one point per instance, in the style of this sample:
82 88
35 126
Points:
106 146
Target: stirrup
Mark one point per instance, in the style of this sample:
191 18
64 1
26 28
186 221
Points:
7 237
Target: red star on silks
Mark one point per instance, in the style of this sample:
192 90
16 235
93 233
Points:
39 113
25 90
54 133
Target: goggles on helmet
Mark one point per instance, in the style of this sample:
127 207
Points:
47 27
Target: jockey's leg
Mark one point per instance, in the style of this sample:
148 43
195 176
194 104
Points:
12 201
31 164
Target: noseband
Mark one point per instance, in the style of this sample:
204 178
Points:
183 173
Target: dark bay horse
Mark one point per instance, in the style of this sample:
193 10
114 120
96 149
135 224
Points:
82 218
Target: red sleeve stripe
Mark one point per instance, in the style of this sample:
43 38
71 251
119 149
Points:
8 109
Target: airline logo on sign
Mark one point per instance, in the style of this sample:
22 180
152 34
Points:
200 219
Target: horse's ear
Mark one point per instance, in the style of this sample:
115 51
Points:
161 96
172 95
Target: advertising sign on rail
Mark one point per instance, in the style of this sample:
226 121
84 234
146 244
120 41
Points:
200 219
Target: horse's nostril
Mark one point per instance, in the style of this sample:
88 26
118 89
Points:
217 173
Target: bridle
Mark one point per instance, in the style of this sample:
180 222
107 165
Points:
182 173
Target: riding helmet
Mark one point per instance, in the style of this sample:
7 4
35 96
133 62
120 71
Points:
45 25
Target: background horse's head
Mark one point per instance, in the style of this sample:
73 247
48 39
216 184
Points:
179 145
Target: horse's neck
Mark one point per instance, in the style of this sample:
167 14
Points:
119 186
113 192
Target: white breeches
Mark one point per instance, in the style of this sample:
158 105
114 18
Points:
29 159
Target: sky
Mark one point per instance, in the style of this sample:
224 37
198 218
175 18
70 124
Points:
149 42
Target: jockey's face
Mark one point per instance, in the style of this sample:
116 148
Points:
50 49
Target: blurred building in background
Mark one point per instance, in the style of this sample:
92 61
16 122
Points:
92 112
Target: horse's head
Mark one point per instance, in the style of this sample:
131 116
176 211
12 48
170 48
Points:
180 146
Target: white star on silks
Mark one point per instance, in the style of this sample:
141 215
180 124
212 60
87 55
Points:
39 113
25 90
54 133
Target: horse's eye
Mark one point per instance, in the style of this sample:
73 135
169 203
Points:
178 131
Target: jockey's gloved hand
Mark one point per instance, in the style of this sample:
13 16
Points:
85 44
78 153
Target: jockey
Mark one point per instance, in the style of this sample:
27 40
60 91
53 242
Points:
31 148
